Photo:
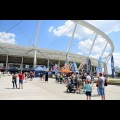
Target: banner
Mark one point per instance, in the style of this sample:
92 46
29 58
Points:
74 67
112 66
97 71
66 65
100 65
89 66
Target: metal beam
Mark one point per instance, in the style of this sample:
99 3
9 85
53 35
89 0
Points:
108 59
92 45
38 31
93 28
71 38
36 43
104 49
70 43
109 56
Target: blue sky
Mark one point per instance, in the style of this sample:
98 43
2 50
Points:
55 34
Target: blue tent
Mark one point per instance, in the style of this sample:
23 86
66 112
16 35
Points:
39 70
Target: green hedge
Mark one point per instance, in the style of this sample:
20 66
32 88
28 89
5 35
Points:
112 82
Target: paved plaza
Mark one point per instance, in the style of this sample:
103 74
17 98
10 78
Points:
39 90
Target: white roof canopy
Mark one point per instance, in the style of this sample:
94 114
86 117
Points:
25 51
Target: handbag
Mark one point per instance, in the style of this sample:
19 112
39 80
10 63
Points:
105 84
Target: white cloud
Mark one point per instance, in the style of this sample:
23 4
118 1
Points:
50 29
79 53
7 38
67 29
106 26
81 33
84 46
95 56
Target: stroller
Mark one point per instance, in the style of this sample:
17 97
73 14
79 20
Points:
71 88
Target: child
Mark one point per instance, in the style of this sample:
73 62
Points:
88 89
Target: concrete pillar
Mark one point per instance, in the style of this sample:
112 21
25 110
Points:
48 64
67 59
21 64
94 69
7 62
35 59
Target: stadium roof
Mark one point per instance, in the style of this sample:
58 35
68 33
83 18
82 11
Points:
25 51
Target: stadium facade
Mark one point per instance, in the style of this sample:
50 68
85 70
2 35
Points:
23 55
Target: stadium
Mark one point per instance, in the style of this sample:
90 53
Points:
13 55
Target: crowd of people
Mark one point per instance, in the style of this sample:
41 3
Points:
77 81
25 76
21 76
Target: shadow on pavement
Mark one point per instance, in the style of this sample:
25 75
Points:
74 92
94 96
11 88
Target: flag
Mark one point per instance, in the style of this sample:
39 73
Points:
89 66
66 65
74 67
97 71
100 65
112 66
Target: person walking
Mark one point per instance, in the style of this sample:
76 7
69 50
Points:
14 80
101 82
41 75
26 76
21 78
46 77
79 82
31 75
